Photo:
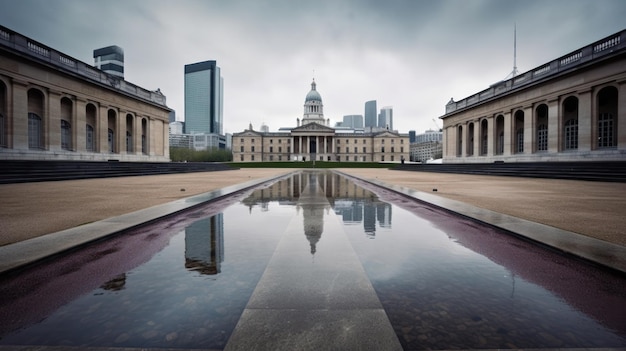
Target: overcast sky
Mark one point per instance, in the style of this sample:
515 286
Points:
411 55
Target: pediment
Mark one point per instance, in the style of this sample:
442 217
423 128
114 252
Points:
386 134
247 133
313 127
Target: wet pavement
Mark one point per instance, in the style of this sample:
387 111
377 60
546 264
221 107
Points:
319 284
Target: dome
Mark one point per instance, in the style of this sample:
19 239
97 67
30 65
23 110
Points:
313 95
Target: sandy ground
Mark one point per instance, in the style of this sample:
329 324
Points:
596 209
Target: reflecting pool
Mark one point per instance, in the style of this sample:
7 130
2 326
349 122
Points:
445 282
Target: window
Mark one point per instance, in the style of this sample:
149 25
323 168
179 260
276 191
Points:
364 141
382 158
241 157
241 140
89 141
252 148
34 132
364 149
571 134
288 148
3 138
129 141
500 150
271 149
382 149
252 140
542 137
519 140
271 157
338 149
392 149
271 141
280 157
393 140
401 141
279 140
391 158
347 150
241 148
66 135
280 149
252 157
356 149
355 158
401 148
606 130
355 141
111 138
382 141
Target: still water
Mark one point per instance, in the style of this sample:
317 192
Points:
445 282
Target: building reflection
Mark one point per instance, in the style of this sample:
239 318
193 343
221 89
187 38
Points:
354 204
204 245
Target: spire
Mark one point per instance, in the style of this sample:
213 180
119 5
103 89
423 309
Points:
313 85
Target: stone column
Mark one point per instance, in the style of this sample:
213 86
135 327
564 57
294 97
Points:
553 126
52 129
476 138
121 128
491 126
507 149
586 139
102 133
79 124
19 117
529 135
300 145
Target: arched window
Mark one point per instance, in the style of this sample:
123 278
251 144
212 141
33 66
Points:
144 132
500 135
66 135
3 131
111 141
36 110
66 124
542 137
542 127
3 118
90 126
607 122
89 140
484 137
35 133
129 133
459 138
470 139
112 130
570 123
571 134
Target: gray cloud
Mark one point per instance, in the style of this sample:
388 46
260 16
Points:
413 55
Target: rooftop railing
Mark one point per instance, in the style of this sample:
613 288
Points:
572 60
26 46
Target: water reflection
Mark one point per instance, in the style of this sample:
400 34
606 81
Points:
204 245
354 204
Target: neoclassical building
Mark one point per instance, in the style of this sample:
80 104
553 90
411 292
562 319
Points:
54 107
313 139
570 109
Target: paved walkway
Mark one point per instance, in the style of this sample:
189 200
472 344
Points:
594 209
580 217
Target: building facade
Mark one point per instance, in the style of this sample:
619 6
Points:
570 109
204 98
385 118
427 146
313 139
54 107
110 60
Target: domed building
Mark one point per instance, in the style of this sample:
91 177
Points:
314 139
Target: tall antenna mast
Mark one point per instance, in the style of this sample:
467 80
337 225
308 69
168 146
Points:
514 73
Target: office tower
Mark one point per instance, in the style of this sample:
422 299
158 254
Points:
353 121
110 60
385 118
411 136
370 114
204 96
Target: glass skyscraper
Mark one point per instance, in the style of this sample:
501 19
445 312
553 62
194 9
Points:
204 97
370 114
